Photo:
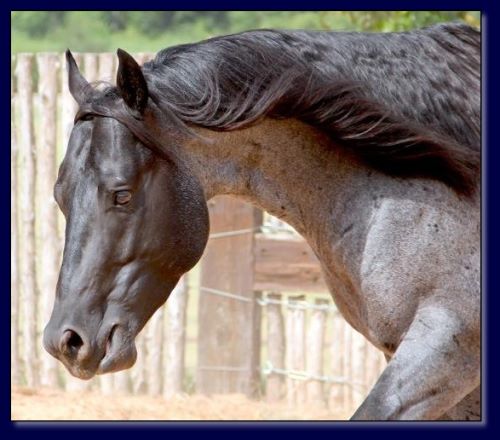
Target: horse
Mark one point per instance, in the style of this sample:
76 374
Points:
368 144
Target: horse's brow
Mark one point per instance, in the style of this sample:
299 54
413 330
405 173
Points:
115 174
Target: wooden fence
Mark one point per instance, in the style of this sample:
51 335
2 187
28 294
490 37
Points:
249 327
256 322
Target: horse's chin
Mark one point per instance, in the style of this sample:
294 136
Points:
80 373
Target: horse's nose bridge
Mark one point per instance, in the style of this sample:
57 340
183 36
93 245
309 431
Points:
79 313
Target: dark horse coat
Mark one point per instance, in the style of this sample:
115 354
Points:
368 144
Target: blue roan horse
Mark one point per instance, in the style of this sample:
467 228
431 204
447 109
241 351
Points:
368 144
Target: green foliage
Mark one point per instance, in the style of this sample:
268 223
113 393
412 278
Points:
73 34
393 21
145 31
36 23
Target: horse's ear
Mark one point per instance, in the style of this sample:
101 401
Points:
131 83
76 82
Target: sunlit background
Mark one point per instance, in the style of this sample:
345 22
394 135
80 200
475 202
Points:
181 373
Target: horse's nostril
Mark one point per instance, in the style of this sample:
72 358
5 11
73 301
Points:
71 342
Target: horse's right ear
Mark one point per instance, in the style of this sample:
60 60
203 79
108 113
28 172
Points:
77 83
131 83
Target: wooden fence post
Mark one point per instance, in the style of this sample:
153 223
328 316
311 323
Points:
107 383
122 382
229 317
174 340
138 372
46 174
14 231
275 348
358 366
373 368
154 334
315 343
143 57
27 208
336 397
295 350
347 359
90 67
382 364
107 67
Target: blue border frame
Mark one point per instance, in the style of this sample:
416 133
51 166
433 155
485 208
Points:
490 220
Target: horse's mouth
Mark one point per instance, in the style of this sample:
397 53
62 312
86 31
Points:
109 340
120 352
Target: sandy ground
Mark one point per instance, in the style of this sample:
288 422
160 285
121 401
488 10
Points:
49 404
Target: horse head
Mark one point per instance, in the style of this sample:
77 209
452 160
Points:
135 222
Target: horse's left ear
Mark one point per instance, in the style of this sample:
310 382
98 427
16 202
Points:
131 83
77 84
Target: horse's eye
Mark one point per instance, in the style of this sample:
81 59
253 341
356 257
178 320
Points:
87 117
122 197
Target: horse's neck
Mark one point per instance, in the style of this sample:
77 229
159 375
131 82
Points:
287 168
295 172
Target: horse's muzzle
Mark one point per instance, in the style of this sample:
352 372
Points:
83 357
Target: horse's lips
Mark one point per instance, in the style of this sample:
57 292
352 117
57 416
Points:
106 365
120 353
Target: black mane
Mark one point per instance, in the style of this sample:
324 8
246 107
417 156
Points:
408 103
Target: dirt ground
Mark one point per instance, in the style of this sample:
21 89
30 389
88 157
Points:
49 404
